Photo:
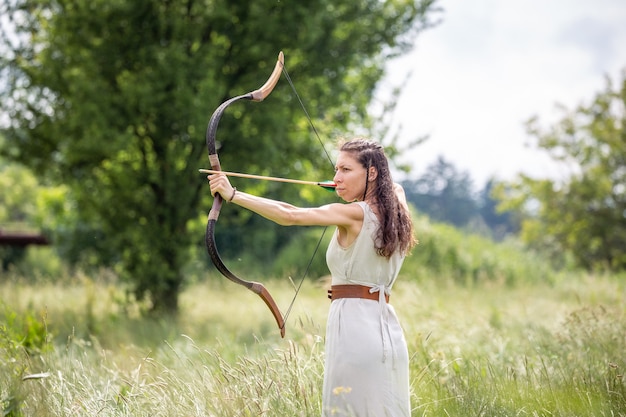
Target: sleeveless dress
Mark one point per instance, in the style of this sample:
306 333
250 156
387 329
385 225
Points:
366 359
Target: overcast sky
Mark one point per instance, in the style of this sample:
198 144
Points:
490 65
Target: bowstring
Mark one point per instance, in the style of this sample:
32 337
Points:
319 242
293 87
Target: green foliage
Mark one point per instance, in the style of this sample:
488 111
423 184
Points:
23 336
585 213
27 205
11 370
38 264
28 330
111 99
19 191
307 256
17 206
471 259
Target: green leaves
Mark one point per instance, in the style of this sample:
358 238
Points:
584 213
112 99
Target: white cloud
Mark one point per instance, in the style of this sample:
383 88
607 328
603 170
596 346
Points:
492 65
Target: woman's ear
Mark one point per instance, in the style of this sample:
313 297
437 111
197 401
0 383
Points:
372 174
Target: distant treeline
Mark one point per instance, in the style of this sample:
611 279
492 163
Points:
448 195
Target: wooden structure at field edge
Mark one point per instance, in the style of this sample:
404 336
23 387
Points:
22 239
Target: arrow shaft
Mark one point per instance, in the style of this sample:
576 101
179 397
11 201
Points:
261 177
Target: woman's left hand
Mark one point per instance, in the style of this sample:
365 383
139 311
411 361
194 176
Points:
220 185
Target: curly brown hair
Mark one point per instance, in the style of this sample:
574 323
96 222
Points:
396 228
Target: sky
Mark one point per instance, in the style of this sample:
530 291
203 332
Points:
490 65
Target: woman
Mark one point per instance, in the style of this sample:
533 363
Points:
367 364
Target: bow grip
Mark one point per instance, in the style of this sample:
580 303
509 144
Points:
214 213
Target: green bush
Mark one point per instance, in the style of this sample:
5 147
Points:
445 252
307 255
21 338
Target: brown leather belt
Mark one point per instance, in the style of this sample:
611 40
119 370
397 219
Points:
353 291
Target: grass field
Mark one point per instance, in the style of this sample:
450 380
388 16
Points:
79 349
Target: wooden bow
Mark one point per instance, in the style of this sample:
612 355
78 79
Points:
256 287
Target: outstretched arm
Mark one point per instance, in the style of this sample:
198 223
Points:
285 214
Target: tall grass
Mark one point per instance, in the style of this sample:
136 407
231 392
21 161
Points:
175 379
489 350
491 329
532 351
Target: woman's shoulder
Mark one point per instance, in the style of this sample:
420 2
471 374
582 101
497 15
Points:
358 208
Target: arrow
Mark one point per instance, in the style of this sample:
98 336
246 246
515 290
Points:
327 185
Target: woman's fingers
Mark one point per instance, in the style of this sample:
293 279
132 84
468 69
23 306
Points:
219 184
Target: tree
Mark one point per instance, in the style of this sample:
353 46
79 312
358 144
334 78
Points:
443 193
585 213
500 224
111 97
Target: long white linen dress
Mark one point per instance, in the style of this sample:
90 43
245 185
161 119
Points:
366 358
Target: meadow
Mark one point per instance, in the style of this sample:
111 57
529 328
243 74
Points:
545 349
492 330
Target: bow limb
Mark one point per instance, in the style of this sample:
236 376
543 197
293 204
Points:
266 89
256 287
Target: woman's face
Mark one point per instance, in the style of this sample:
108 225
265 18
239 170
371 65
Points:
350 177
